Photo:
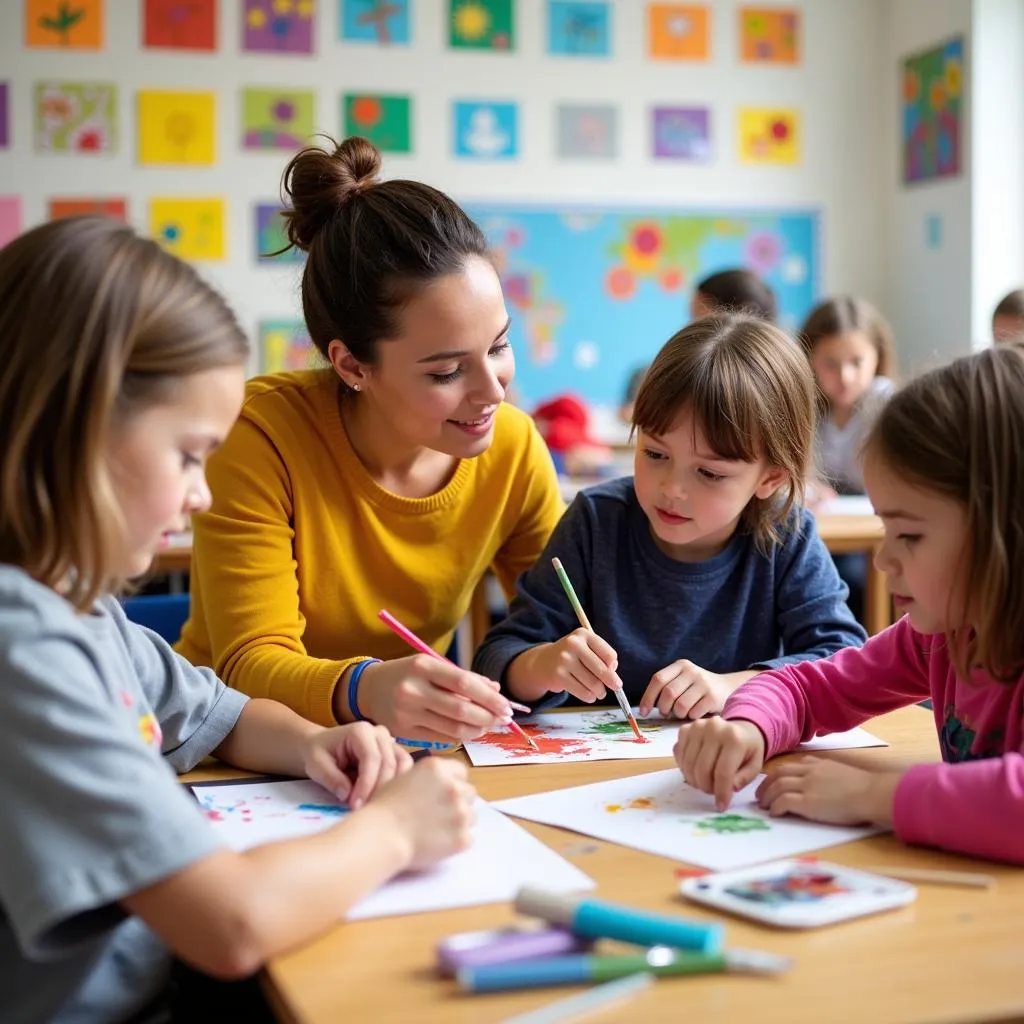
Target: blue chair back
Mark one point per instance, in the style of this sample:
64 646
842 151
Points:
163 613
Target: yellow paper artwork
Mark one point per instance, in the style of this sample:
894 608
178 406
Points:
190 228
177 128
769 136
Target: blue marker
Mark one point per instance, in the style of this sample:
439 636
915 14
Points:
598 920
425 744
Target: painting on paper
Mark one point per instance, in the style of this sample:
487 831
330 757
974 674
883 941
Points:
933 113
659 813
270 236
278 26
76 117
586 131
769 35
678 31
180 24
481 24
277 118
682 133
384 120
486 131
117 209
577 28
177 128
190 228
285 345
385 22
67 24
769 136
10 218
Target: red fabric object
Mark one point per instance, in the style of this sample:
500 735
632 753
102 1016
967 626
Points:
564 423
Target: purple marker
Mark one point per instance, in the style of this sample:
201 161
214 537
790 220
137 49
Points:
503 945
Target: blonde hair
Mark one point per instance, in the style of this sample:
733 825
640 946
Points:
751 392
97 324
959 431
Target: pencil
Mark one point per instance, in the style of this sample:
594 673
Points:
932 876
570 593
424 648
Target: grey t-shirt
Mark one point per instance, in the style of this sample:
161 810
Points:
96 715
838 448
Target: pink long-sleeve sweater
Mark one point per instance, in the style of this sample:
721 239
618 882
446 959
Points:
972 802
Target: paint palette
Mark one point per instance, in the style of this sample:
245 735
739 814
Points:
799 893
576 736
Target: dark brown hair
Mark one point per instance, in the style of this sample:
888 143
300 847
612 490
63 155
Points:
959 431
751 392
97 324
372 244
1011 304
844 314
739 291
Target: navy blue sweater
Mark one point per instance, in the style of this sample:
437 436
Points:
738 610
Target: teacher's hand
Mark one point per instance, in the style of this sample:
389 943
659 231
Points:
424 698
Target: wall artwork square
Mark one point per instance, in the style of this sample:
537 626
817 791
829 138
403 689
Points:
481 24
177 128
10 218
385 22
769 35
769 136
678 31
682 133
384 120
485 131
64 24
579 29
117 209
277 118
5 136
192 229
587 131
180 24
75 117
278 26
270 236
933 113
285 345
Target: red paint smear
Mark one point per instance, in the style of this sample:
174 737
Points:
513 744
690 872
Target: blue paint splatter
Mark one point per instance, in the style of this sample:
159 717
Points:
324 809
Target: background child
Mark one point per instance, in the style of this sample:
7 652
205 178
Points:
700 568
942 468
850 348
734 291
122 371
1008 317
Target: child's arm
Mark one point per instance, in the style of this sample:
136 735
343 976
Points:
541 616
810 599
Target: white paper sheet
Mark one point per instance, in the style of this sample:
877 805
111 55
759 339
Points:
503 856
605 735
576 736
659 813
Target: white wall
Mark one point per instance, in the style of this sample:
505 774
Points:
841 89
997 185
927 290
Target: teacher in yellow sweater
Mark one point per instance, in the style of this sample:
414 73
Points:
393 478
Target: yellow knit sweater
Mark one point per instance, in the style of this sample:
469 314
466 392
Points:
302 548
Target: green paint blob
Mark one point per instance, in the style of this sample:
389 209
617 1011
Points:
617 728
725 824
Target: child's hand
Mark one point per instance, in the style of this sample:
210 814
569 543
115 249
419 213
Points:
426 698
831 792
685 690
361 752
432 805
581 664
719 756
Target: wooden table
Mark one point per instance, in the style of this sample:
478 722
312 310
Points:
954 955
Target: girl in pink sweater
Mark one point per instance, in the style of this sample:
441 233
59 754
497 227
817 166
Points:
943 470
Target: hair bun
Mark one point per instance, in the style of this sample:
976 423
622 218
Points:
318 184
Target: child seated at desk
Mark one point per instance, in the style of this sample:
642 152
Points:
122 371
734 291
942 466
700 569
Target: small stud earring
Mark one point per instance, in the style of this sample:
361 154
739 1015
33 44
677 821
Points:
355 387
